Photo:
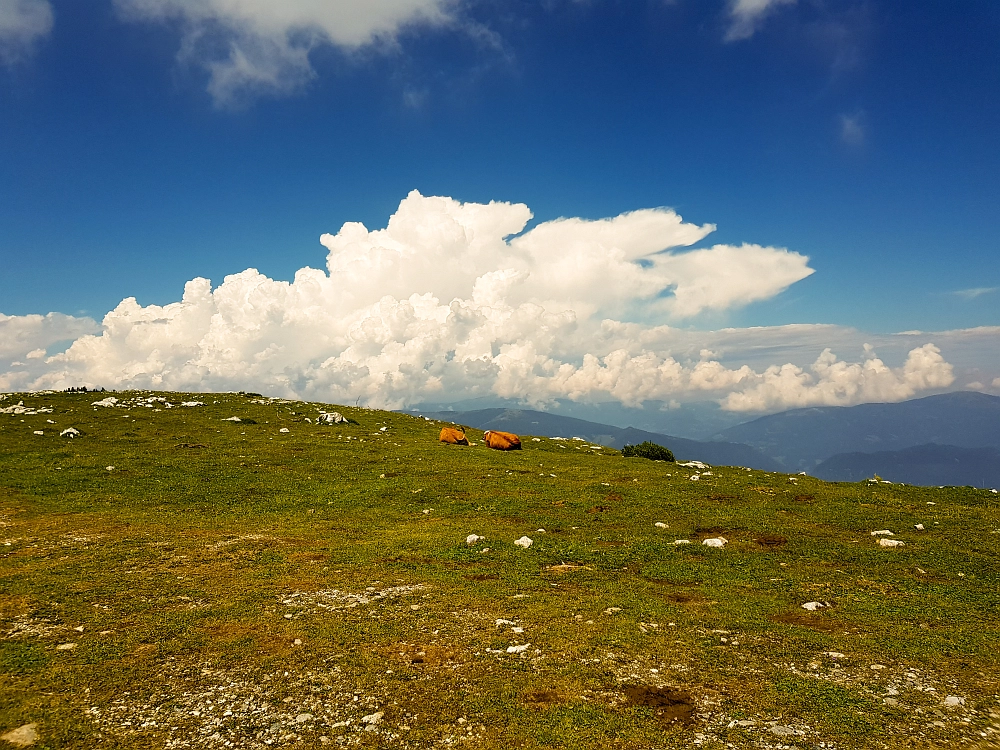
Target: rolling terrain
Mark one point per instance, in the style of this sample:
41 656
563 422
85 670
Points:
226 571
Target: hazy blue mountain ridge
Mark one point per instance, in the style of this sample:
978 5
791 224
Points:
929 464
800 439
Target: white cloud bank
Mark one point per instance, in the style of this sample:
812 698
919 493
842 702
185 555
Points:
456 300
22 24
251 47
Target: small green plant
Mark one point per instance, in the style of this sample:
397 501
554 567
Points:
649 450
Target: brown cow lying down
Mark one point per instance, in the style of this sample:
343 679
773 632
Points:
453 436
502 441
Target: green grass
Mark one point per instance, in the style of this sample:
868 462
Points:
230 579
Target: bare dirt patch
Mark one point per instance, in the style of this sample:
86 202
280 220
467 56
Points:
771 541
669 704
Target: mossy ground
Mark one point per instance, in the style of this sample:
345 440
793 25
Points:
227 584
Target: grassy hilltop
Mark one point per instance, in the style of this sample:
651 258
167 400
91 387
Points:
169 579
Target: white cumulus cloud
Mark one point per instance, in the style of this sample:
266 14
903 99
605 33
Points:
22 23
745 16
456 300
262 46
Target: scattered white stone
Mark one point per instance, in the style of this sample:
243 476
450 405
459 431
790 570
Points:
109 468
833 654
682 541
333 417
890 543
813 606
109 401
518 649
536 440
694 465
303 718
502 622
65 647
70 432
524 542
694 477
919 527
39 432
284 429
878 667
473 538
954 701
718 541
232 419
373 719
612 610
661 525
883 532
192 403
781 731
24 736
706 473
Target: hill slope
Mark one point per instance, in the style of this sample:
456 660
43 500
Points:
532 422
174 578
800 439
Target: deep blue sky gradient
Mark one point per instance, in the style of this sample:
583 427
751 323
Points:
119 177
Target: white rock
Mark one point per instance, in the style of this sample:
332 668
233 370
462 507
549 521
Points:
472 539
813 606
536 440
303 718
883 532
694 464
919 527
39 432
372 719
706 473
524 542
890 543
24 736
65 647
612 610
661 525
192 403
953 701
694 477
109 468
518 649
682 541
109 401
718 541
284 429
232 419
70 432
833 654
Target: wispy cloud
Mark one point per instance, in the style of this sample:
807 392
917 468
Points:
746 16
22 24
852 129
975 292
262 47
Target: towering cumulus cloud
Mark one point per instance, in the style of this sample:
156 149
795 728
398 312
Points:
456 300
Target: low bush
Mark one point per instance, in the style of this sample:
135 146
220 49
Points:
649 450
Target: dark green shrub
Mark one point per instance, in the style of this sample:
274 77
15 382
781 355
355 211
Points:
649 450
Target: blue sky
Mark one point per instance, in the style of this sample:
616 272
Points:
862 135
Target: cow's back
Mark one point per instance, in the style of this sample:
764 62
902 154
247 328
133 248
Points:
502 441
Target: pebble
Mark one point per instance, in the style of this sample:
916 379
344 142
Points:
524 542
284 429
953 701
661 525
612 610
883 532
472 539
373 719
719 541
682 541
65 647
891 543
813 606
303 718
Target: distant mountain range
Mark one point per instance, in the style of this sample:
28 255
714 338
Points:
922 464
949 439
529 422
801 439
